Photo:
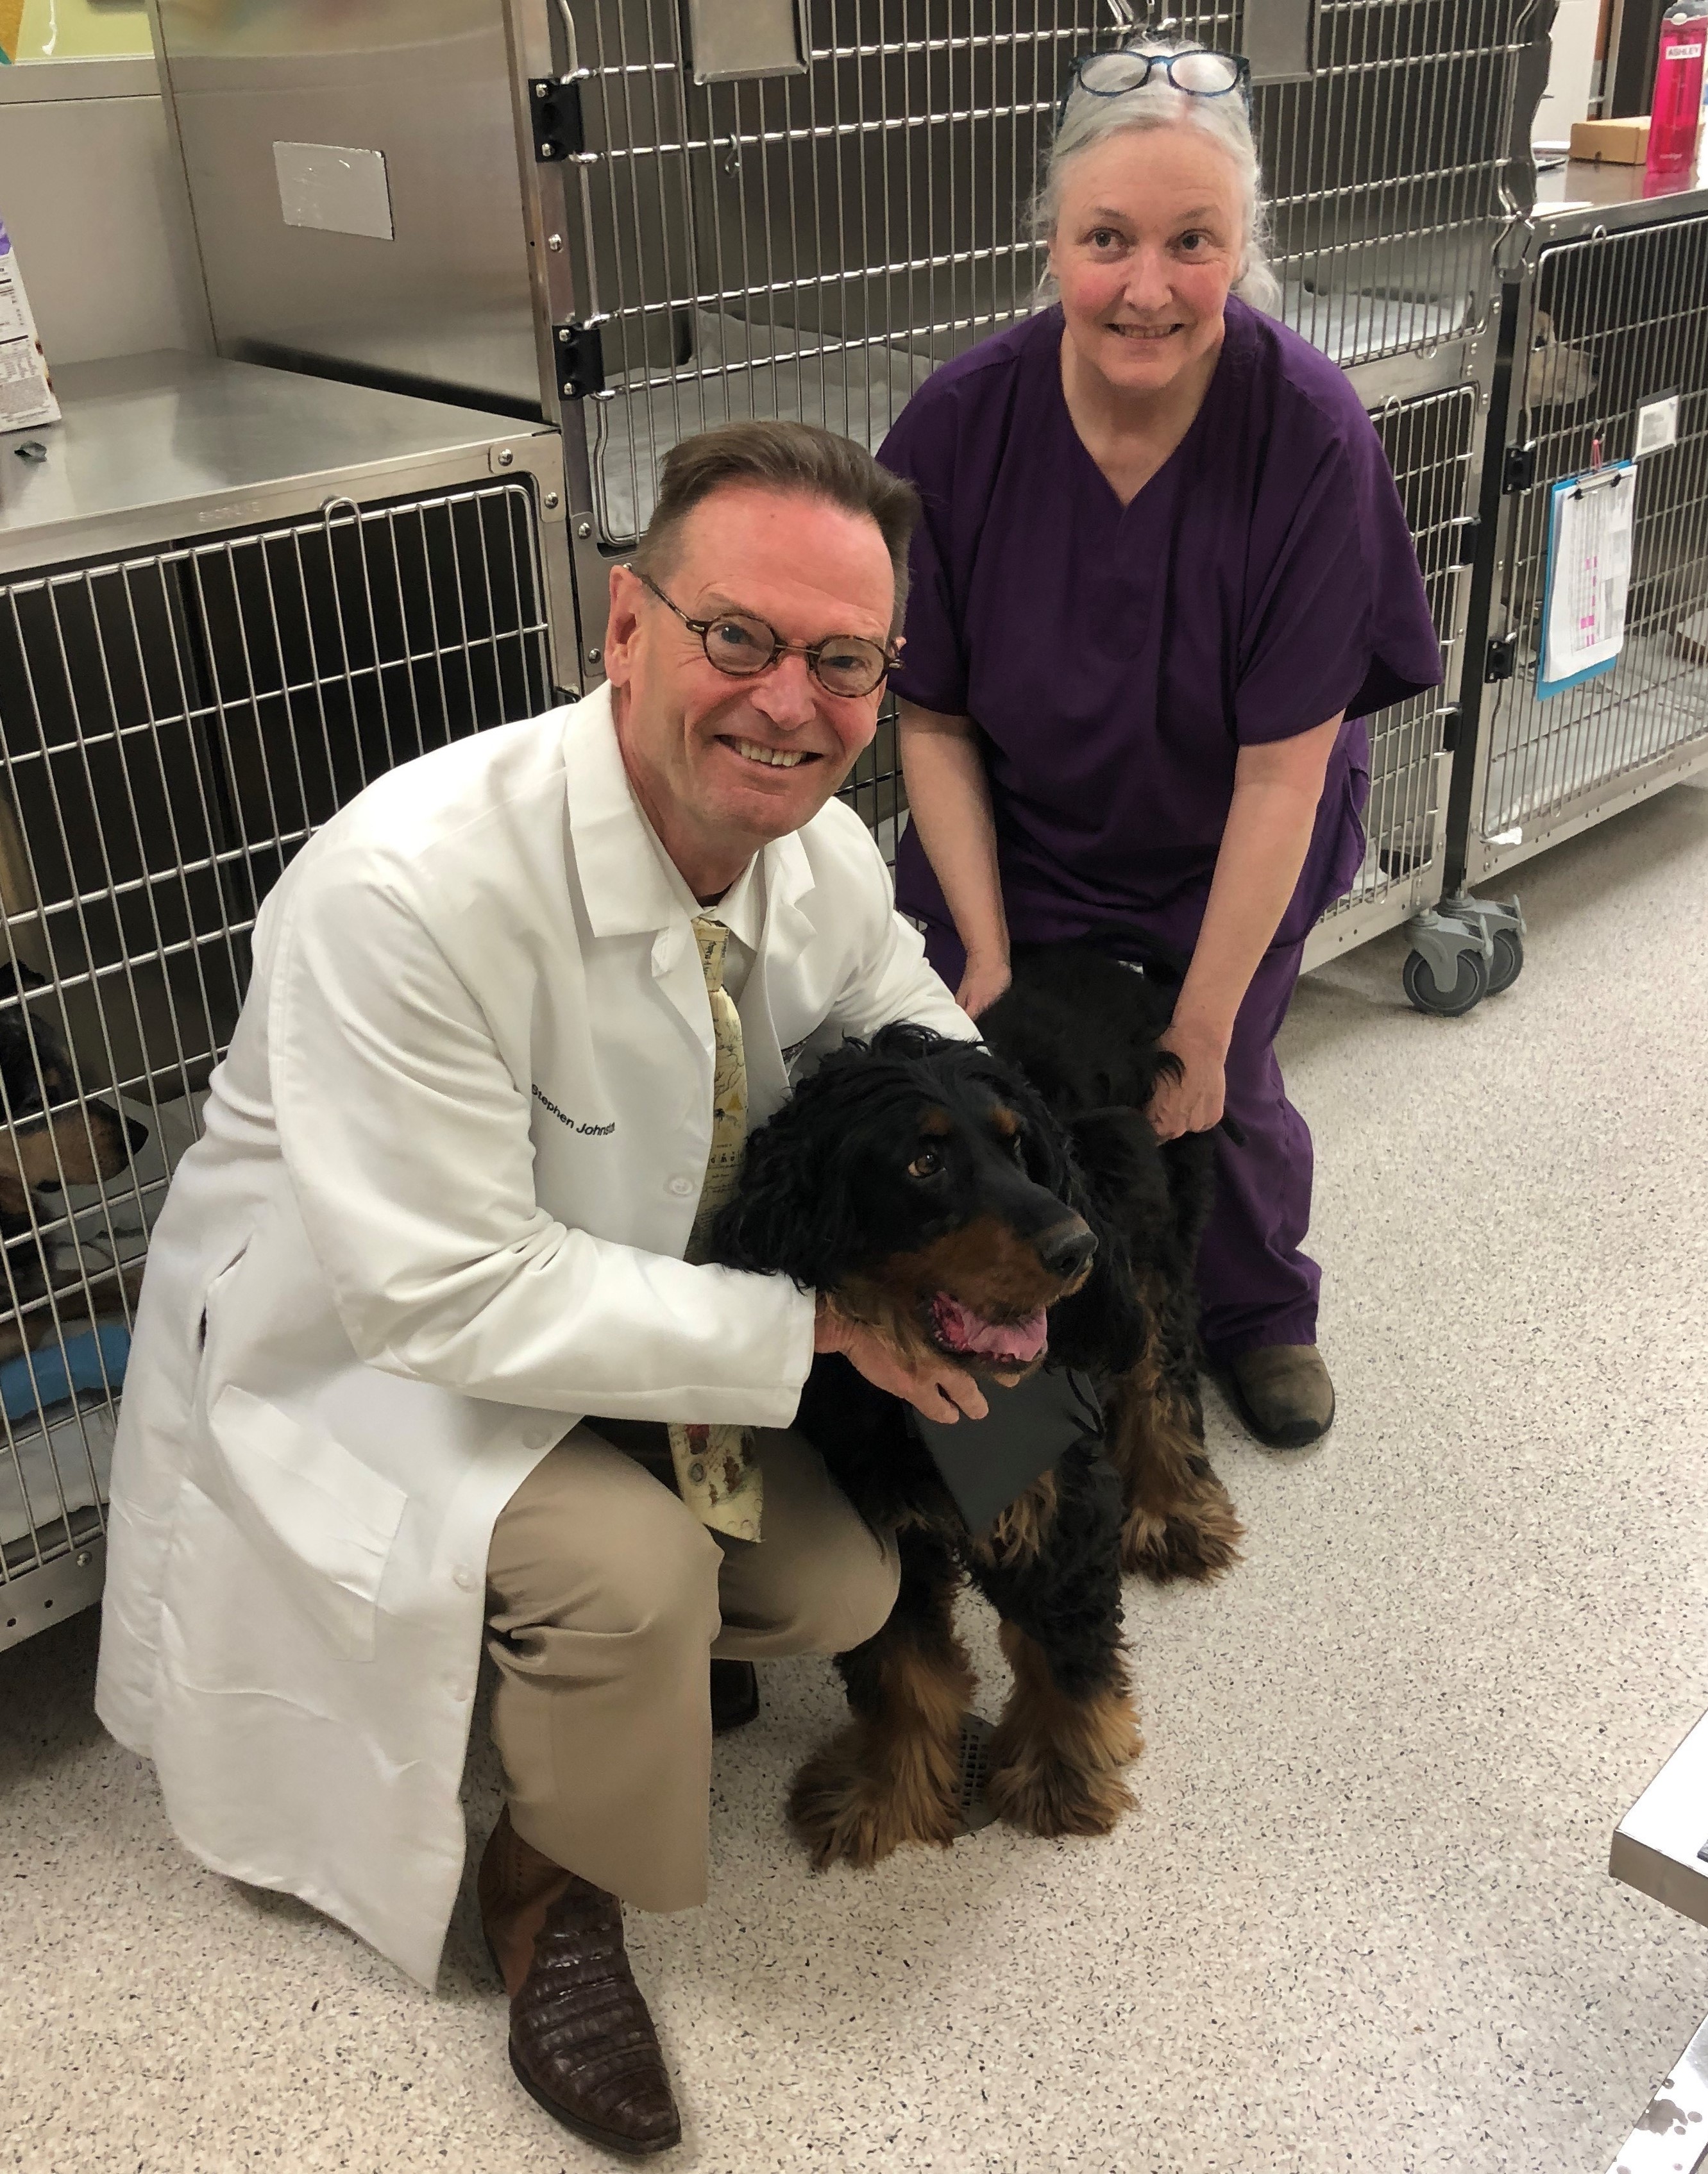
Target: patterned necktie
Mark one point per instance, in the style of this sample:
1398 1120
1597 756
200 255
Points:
715 1469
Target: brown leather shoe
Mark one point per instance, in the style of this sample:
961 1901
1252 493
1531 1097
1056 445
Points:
1283 1394
581 2042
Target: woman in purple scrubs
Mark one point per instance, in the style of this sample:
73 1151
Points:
1162 576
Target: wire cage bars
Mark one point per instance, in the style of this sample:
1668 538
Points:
813 242
1433 443
173 726
1610 323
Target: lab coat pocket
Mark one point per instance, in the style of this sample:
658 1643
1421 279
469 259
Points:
324 1520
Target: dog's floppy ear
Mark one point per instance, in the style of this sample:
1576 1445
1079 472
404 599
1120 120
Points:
790 1215
15 978
1046 1147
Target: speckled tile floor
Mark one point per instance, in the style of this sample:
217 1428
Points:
1362 1918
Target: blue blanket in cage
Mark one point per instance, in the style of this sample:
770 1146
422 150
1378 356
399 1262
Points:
95 1360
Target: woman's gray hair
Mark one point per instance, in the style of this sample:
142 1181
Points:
1090 121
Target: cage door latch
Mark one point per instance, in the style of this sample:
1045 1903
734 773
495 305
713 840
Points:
554 105
1520 471
1502 658
581 360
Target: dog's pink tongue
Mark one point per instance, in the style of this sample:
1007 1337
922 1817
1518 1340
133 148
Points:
963 1330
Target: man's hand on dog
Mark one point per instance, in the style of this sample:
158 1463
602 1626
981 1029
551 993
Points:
943 1392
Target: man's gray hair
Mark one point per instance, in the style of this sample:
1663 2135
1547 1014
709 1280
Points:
1090 121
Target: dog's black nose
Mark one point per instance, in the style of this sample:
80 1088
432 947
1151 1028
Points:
1067 1249
137 1134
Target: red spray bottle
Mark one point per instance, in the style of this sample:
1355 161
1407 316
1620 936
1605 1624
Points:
1677 108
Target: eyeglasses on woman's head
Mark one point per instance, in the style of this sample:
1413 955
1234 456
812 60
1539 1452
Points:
1197 70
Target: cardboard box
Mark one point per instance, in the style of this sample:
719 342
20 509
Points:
1610 143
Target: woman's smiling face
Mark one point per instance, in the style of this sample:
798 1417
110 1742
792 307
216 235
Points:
1150 235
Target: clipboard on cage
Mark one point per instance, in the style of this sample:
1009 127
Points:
1592 520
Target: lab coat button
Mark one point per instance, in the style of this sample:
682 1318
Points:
453 1685
682 1187
464 1578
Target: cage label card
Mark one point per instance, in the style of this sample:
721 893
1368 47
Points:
1657 424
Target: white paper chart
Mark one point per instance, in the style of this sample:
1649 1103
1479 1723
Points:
1589 573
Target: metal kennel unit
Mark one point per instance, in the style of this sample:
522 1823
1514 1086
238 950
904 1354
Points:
807 213
1607 323
229 597
642 216
1435 443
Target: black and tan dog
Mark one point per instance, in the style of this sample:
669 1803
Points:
51 1135
994 1205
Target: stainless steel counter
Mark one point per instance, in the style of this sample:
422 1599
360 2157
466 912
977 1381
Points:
187 443
1582 185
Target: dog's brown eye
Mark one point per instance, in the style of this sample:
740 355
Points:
926 1164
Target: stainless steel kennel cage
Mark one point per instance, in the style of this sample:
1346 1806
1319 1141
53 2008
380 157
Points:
814 240
639 216
1434 444
1618 308
203 651
1603 321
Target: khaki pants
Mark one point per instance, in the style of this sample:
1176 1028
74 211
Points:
606 1599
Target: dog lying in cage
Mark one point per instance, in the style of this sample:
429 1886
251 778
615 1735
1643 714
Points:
51 1136
997 1206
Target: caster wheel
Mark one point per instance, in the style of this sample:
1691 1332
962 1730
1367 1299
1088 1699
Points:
1469 989
1508 962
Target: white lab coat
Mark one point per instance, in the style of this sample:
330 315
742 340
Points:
449 1167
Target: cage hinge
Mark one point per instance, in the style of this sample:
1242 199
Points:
556 111
1520 471
1502 656
1450 717
581 360
1465 541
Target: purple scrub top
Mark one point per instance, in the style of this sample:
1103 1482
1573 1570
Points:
1116 659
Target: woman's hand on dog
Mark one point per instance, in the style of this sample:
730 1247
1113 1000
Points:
984 981
1194 1102
943 1393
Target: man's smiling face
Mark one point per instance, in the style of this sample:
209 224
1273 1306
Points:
724 765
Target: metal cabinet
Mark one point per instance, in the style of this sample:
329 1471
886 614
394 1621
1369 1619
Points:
639 217
217 621
1435 443
1610 310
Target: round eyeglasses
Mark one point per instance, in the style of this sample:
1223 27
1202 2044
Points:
744 646
1198 72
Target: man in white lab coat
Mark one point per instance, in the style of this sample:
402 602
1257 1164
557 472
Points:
419 1359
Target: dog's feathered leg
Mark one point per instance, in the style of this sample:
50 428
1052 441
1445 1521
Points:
892 1775
1178 1521
1069 1729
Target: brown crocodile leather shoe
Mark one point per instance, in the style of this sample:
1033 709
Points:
1283 1394
581 2042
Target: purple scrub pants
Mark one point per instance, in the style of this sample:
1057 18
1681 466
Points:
1256 1284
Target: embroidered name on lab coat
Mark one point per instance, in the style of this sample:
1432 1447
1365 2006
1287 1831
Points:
597 1132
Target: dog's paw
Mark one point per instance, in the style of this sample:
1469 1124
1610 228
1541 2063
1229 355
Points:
1198 1539
846 1813
1042 1794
